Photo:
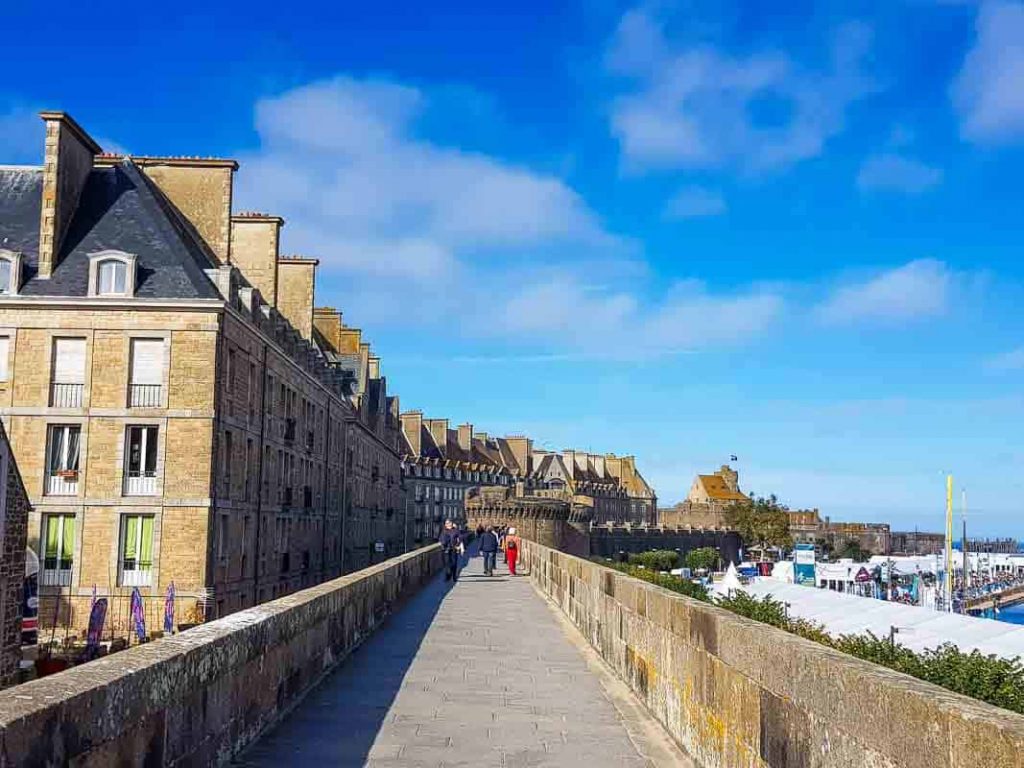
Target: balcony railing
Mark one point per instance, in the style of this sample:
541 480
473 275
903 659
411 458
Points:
144 395
64 483
140 485
56 577
136 574
66 395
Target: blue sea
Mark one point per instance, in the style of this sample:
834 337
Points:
1014 615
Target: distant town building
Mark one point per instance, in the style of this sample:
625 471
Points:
706 503
807 526
917 543
441 464
14 509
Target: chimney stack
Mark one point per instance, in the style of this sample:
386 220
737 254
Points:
327 322
522 450
439 431
255 239
296 284
466 437
412 427
374 372
67 160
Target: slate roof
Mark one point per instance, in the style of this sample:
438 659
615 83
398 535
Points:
120 209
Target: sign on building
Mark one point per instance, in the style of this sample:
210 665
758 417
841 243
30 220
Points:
803 564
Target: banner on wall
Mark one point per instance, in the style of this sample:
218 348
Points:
803 564
138 615
97 617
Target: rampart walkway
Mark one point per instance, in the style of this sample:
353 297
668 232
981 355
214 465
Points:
482 674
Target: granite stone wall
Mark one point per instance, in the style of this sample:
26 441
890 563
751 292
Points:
735 692
200 697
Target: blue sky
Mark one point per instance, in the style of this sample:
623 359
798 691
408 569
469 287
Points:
678 229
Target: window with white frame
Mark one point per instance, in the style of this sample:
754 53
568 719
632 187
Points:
58 545
6 271
136 550
140 460
62 459
5 351
147 375
68 373
111 277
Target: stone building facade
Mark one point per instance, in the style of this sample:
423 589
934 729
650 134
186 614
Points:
706 503
808 527
14 511
175 416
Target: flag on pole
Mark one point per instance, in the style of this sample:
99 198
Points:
97 616
169 609
138 615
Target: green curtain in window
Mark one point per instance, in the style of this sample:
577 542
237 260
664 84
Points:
52 531
131 536
69 538
147 542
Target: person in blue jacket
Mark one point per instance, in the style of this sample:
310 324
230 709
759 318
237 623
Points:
452 546
489 549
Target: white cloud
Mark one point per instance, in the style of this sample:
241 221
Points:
694 202
915 290
987 92
596 319
1012 360
340 159
695 107
897 173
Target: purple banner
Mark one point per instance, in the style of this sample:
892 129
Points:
138 615
97 617
169 609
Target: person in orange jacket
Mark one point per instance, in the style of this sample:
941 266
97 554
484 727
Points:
512 544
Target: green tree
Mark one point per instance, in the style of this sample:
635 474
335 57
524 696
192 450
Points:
704 557
760 521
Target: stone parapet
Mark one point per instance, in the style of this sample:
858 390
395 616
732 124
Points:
200 697
734 692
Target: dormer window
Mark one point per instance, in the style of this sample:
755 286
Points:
111 273
10 272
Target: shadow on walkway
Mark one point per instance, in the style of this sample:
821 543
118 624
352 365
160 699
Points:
358 694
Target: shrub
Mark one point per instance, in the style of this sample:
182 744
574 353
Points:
657 559
666 580
704 557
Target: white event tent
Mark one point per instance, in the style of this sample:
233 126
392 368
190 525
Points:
917 628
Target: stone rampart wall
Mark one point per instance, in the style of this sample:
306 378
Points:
198 698
735 692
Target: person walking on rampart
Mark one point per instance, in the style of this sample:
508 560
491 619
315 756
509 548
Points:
512 550
452 546
489 550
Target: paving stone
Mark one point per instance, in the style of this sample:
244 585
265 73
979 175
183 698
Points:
476 674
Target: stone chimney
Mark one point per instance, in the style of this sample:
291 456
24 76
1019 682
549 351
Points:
296 284
255 239
466 438
374 367
522 450
439 431
67 160
201 189
412 427
327 322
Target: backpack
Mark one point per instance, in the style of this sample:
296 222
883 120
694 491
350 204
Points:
511 544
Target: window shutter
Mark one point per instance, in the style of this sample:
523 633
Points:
5 348
69 361
147 361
